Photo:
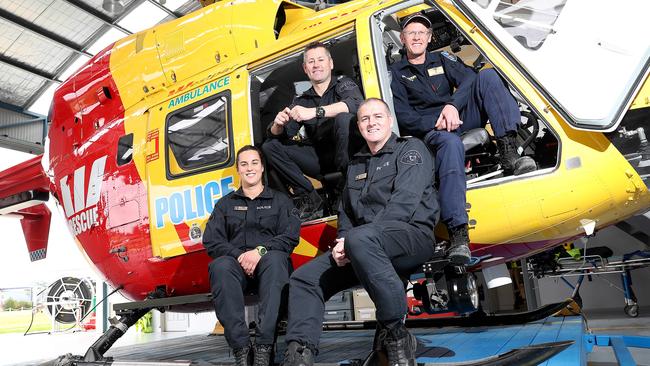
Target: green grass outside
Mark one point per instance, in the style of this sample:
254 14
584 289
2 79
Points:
18 321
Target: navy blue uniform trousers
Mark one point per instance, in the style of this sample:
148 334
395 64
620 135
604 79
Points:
228 283
489 100
331 154
379 253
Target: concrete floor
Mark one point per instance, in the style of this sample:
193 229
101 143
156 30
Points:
32 349
29 350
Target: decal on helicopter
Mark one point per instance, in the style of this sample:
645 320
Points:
192 203
199 92
83 214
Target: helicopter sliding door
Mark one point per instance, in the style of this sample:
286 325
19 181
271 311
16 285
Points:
191 142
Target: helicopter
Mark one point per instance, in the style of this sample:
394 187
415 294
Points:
142 137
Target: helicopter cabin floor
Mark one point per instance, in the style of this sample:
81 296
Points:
440 345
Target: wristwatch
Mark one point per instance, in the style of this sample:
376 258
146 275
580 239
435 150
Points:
261 250
320 112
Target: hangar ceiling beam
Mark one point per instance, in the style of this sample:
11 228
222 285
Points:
42 32
108 23
103 17
27 68
165 9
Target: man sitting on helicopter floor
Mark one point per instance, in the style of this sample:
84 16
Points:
324 113
250 234
427 107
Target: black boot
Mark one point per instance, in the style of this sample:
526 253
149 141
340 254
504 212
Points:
263 354
459 253
298 355
400 346
511 162
242 356
309 205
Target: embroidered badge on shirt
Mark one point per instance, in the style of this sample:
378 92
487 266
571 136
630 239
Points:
409 78
295 212
346 85
240 208
361 176
267 207
449 56
436 71
411 157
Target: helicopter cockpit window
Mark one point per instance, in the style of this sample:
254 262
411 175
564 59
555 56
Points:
198 136
125 149
528 23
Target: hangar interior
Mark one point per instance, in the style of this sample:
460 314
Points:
44 42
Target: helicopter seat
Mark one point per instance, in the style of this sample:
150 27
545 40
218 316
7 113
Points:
474 138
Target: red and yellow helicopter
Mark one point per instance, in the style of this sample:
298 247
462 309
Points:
142 138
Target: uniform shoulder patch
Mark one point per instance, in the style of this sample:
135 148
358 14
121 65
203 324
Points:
411 157
449 56
346 84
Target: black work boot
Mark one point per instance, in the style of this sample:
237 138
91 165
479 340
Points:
242 356
400 346
309 205
263 354
298 355
459 253
510 160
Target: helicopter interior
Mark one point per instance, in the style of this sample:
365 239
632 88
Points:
273 87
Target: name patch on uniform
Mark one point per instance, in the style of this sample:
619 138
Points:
268 207
411 157
383 165
436 71
240 208
361 176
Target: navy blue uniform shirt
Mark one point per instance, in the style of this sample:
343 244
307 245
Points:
238 224
396 184
421 91
339 90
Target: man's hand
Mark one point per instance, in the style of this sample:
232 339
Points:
301 114
248 261
338 253
283 117
449 119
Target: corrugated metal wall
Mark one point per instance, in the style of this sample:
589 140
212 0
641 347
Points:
20 131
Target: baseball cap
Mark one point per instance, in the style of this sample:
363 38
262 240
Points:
417 17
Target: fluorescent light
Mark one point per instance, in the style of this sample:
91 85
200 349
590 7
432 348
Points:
144 16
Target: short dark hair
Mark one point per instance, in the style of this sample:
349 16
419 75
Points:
315 45
375 100
249 148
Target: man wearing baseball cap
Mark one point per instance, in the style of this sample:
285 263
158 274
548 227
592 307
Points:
437 98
